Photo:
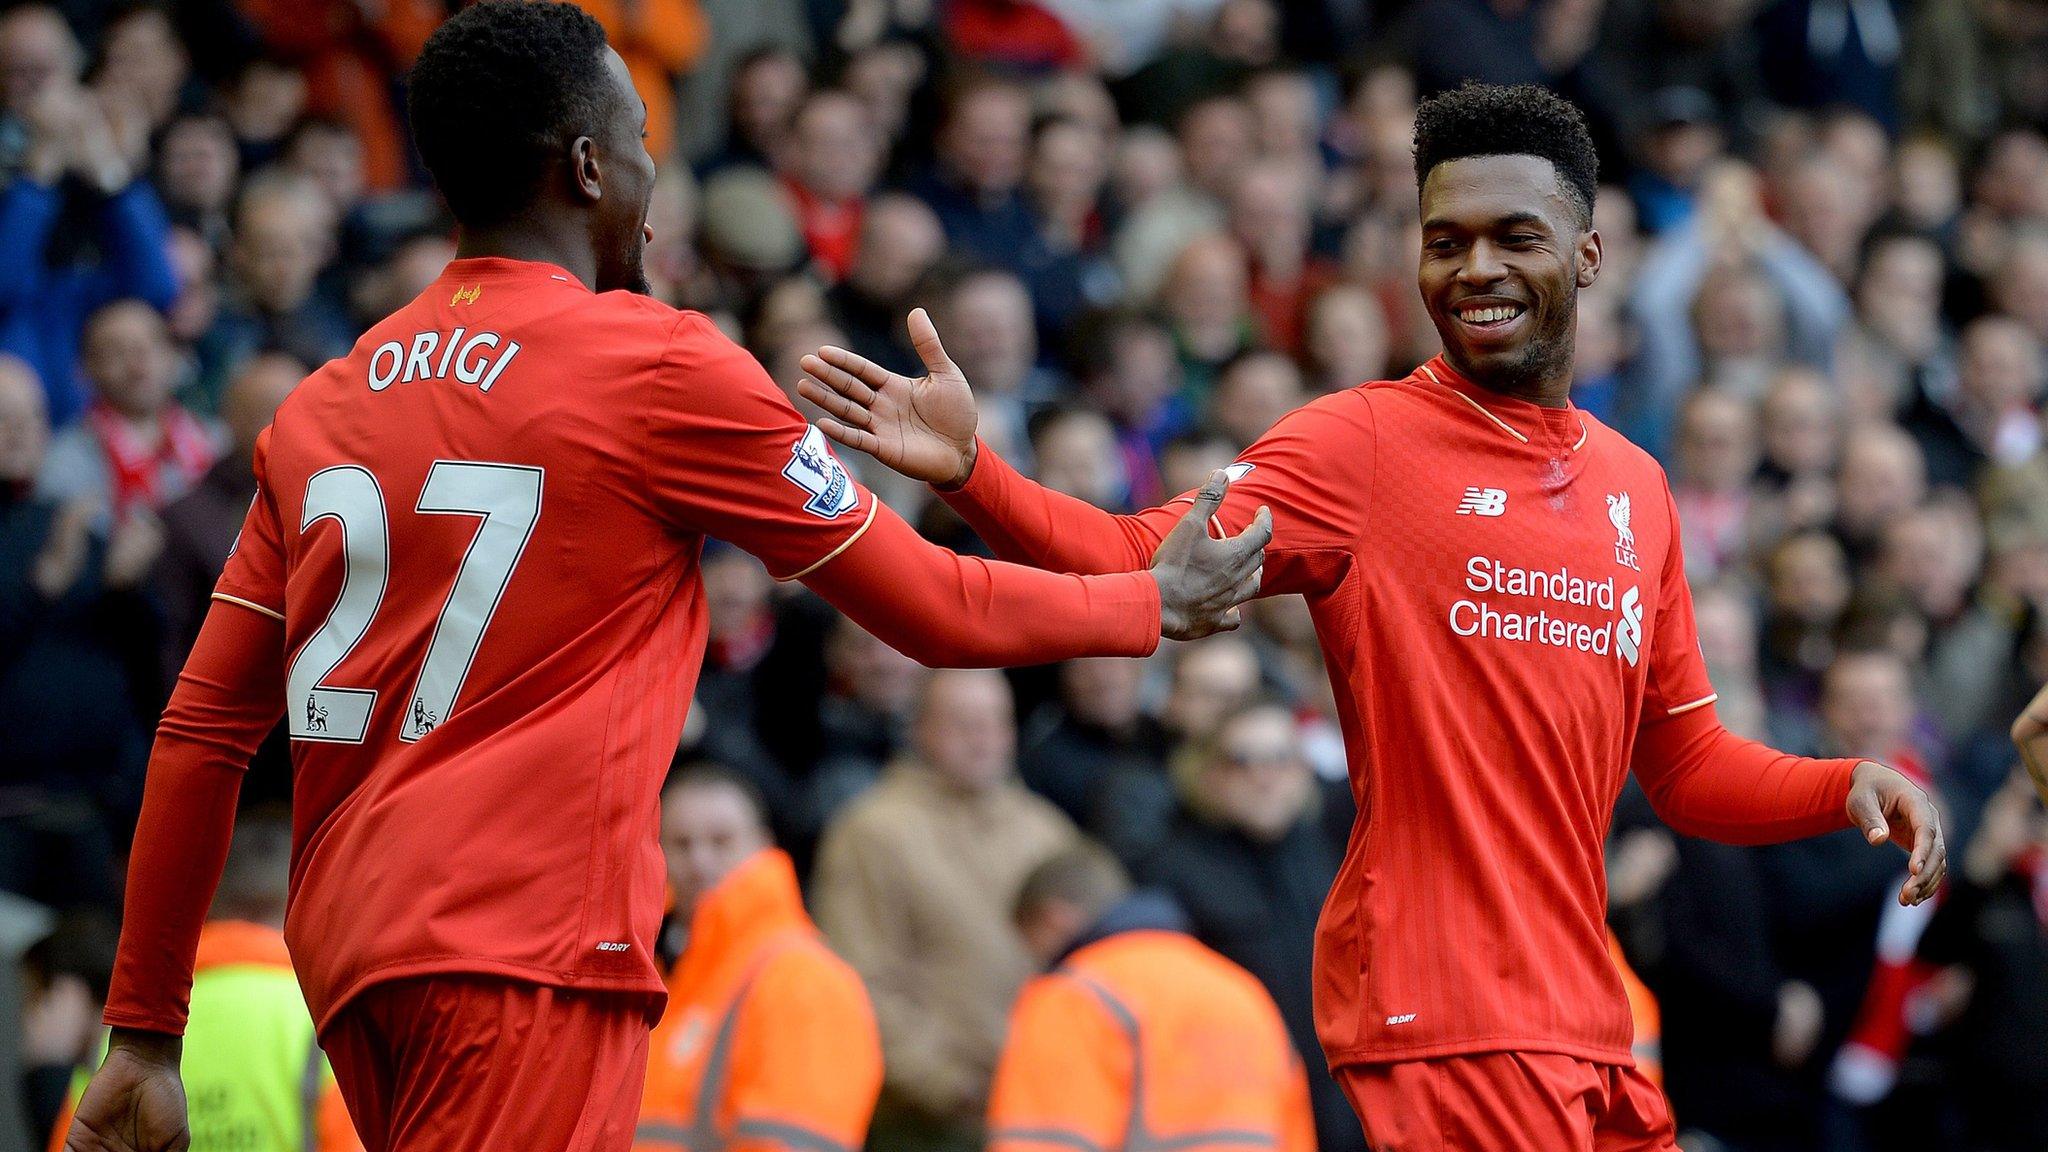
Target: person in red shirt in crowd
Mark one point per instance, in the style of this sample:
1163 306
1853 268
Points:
1498 588
831 170
469 582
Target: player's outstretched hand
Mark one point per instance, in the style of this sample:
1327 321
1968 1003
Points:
2030 736
1884 805
135 1103
1203 580
923 428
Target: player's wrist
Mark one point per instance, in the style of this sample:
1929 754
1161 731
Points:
965 471
154 1047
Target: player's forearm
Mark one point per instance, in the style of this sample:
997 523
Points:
224 704
1028 523
1705 781
945 610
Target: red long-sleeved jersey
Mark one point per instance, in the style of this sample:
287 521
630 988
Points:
1501 602
469 581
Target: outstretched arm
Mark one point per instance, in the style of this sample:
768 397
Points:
731 458
1313 470
2030 736
227 700
946 610
1706 781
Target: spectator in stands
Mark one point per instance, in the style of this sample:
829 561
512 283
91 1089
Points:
1076 452
1807 587
1883 476
1344 339
200 527
1206 300
1991 925
1272 216
1136 1033
1250 859
1252 393
253 1070
1800 438
1094 730
976 182
900 242
1825 894
1989 416
136 449
197 171
78 228
767 87
1131 374
913 885
1714 460
284 235
989 313
768 1040
834 157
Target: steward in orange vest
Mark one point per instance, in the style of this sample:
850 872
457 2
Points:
1139 1039
768 1041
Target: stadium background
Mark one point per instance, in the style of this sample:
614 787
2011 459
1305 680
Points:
1147 229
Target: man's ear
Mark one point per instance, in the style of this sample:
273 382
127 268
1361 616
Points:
585 173
1589 258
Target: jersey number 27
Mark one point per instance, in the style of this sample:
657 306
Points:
506 496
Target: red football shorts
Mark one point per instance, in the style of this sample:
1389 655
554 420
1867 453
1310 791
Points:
457 1062
1508 1102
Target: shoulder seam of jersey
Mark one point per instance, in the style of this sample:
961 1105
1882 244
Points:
873 506
1702 702
251 605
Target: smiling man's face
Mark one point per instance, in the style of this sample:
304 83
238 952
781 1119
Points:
1503 257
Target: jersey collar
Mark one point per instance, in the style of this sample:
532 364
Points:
499 269
1507 413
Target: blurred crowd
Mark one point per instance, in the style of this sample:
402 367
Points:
1146 229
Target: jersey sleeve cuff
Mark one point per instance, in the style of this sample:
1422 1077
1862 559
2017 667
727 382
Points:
850 541
253 606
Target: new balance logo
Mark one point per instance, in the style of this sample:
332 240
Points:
1403 1018
1483 502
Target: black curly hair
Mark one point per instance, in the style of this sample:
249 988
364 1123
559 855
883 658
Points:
498 89
1509 120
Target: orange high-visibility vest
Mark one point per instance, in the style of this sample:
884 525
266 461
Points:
769 1041
1642 1009
1146 1041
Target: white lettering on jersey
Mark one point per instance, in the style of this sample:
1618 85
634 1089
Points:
1403 1018
1483 502
470 356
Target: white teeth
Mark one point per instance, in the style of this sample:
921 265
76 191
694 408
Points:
1491 315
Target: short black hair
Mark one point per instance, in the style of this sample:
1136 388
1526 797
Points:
711 774
1510 120
498 90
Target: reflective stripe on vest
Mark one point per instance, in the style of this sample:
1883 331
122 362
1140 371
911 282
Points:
1137 1138
701 1133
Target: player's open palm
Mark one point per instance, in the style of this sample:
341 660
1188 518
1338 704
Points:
923 428
135 1103
1202 580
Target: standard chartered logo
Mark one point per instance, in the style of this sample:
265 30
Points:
1628 631
1485 576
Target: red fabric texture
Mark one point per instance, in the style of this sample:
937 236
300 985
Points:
514 831
1508 1102
1500 596
450 1061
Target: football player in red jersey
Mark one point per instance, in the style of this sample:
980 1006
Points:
1497 585
469 584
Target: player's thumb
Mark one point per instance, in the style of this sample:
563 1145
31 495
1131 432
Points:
924 336
1867 813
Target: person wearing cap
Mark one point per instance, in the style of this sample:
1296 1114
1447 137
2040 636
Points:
1137 1037
768 1043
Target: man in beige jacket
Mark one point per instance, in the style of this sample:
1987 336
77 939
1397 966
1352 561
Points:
913 885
